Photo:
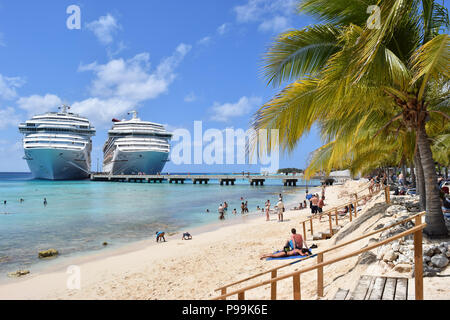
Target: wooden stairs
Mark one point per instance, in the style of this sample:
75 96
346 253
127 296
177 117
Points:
376 288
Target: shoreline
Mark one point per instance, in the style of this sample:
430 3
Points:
59 267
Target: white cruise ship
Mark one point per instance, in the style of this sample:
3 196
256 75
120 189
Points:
136 147
58 145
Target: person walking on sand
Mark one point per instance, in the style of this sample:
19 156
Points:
160 235
280 207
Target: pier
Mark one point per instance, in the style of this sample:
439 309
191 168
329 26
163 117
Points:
223 179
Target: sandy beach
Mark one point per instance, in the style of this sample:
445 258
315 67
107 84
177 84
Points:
193 269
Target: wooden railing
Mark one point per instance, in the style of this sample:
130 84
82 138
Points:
274 271
416 231
335 211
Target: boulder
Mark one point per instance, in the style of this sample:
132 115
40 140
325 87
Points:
105 243
367 258
439 261
403 267
426 259
394 209
48 253
390 256
428 252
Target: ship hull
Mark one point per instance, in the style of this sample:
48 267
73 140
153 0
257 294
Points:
58 164
135 162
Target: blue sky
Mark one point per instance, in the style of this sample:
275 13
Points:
174 61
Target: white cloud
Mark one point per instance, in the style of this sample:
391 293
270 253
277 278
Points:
271 15
204 40
8 87
104 28
276 24
223 112
8 117
121 85
37 104
191 97
222 29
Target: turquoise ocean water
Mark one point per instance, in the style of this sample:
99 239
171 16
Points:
81 215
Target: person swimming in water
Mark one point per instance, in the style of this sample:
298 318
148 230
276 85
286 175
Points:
45 202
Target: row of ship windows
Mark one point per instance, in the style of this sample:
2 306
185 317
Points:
55 142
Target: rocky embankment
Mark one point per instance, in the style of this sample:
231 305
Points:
399 255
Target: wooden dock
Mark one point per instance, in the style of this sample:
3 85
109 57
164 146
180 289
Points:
223 179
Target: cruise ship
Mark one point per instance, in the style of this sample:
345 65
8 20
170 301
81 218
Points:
58 145
136 147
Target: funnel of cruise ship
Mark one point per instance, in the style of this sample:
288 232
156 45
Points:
136 147
58 145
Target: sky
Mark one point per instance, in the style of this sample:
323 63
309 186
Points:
173 61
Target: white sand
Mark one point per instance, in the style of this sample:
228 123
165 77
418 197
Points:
193 269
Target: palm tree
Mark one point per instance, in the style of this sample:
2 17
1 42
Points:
343 66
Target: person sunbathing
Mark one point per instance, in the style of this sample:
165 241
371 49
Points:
287 253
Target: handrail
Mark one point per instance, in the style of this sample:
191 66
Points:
274 270
417 230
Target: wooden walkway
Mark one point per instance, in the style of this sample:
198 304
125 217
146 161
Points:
376 288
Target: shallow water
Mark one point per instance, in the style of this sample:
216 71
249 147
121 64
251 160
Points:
81 215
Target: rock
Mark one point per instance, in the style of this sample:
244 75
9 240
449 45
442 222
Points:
442 249
429 252
403 267
48 253
105 243
426 259
439 261
317 236
379 226
367 258
395 247
390 256
19 273
394 209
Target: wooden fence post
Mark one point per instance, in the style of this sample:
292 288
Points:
331 223
304 231
418 262
296 286
336 215
224 291
320 275
356 204
241 295
311 223
350 212
387 194
273 286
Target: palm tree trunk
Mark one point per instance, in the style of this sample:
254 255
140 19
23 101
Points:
413 176
434 217
420 182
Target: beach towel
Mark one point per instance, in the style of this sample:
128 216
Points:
291 257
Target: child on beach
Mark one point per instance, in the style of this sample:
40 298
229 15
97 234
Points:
186 236
160 235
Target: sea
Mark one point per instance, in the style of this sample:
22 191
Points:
81 215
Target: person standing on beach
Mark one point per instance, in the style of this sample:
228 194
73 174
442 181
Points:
314 203
267 210
242 208
280 207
